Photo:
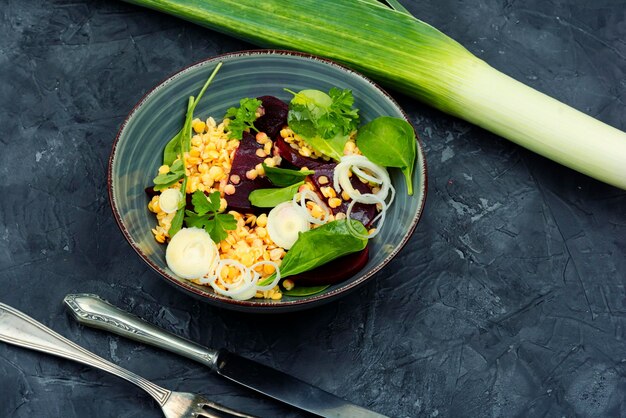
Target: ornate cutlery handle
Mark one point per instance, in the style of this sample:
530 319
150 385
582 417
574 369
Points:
19 329
95 312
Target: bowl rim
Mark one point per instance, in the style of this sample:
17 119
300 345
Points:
263 306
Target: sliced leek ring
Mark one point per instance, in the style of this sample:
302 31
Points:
191 253
284 223
169 200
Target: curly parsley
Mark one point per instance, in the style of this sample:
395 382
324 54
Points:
324 120
242 118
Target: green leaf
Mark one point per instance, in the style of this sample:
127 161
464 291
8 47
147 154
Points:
216 201
332 147
222 223
268 198
168 178
283 177
177 223
176 146
390 142
324 121
206 216
242 117
163 181
318 246
172 149
305 291
226 221
203 203
196 220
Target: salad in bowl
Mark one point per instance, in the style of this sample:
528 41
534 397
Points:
269 194
259 203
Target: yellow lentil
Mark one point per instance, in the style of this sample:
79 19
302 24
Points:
334 202
229 189
207 165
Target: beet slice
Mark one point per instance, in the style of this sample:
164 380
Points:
292 156
360 211
334 271
244 161
275 116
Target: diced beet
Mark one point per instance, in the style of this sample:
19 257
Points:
360 211
275 116
334 271
244 161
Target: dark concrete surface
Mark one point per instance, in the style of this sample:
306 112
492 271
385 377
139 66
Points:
508 301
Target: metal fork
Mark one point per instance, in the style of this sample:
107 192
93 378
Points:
21 330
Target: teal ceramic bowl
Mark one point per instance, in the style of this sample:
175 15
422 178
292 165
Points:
137 154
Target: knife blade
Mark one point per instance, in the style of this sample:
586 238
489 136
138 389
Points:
93 311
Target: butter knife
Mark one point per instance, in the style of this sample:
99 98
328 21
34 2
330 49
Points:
93 311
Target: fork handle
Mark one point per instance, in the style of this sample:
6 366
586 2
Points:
93 311
19 329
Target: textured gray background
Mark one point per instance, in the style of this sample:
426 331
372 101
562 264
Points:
508 300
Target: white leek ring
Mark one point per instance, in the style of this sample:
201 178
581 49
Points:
358 163
284 223
274 282
381 216
305 195
169 200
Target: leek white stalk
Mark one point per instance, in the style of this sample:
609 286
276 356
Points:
542 124
413 57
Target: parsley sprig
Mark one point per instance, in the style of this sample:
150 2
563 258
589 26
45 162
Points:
323 120
316 113
242 117
206 216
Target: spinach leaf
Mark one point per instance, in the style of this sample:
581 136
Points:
318 246
324 121
268 198
171 151
390 142
305 291
283 177
332 147
163 181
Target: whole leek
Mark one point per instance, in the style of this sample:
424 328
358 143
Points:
413 57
